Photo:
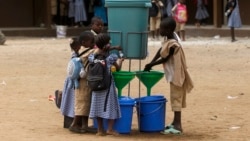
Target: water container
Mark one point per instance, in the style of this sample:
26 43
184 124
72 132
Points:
128 26
123 124
151 113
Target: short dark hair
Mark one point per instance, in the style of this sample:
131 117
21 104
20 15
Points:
102 39
95 19
168 23
86 35
74 43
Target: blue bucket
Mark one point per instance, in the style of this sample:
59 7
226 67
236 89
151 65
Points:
123 124
151 113
150 98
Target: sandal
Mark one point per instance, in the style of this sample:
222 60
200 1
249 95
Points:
57 99
171 131
169 126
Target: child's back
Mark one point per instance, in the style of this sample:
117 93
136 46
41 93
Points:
181 17
181 13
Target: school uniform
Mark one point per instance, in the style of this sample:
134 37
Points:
176 74
112 107
234 19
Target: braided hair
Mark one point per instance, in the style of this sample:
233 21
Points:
75 45
102 40
74 42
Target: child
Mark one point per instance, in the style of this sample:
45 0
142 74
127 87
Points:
172 57
80 12
180 15
112 111
82 94
65 98
96 25
201 12
233 15
97 28
75 46
169 4
155 20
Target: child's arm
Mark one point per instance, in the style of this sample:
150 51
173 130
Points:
157 55
173 10
115 48
159 61
118 64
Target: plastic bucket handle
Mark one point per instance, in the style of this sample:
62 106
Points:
155 110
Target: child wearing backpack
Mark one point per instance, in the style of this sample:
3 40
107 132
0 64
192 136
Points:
75 47
180 15
82 93
65 98
104 103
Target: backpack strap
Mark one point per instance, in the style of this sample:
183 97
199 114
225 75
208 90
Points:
106 98
85 51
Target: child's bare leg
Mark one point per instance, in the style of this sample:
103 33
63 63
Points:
100 130
153 34
177 121
76 125
85 127
182 33
157 34
110 130
232 34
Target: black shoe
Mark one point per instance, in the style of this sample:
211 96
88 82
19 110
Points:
90 129
76 129
57 99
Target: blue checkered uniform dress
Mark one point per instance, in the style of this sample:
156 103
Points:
201 12
80 11
98 98
234 19
68 97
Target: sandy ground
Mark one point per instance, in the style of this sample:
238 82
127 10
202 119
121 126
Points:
217 110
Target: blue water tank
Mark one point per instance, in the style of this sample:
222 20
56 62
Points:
128 26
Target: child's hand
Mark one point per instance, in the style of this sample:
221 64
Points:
120 60
118 47
147 67
83 73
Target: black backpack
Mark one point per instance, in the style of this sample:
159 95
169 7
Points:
153 11
98 76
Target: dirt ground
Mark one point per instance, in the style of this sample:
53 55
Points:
31 69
